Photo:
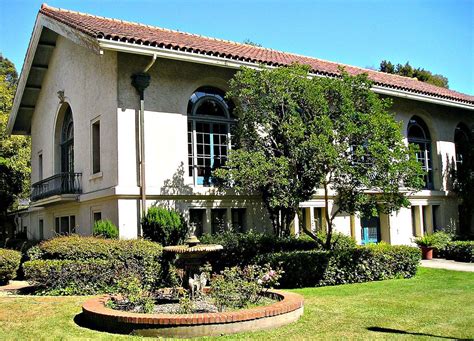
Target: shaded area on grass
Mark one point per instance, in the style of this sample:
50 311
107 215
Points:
397 331
339 312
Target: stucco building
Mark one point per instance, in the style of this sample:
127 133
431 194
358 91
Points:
97 155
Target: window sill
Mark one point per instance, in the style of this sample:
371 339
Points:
95 176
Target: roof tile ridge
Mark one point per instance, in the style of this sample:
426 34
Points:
46 6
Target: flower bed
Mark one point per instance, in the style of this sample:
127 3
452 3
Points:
288 309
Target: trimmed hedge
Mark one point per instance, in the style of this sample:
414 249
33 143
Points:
240 249
9 264
73 277
89 265
461 251
360 264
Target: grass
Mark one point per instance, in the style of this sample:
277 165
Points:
434 303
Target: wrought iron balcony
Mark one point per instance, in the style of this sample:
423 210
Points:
62 183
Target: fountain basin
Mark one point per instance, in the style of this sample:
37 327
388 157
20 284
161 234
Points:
288 309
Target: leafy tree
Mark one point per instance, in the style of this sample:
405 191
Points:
463 186
297 135
14 150
419 73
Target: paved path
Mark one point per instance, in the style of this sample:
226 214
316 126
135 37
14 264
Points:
439 263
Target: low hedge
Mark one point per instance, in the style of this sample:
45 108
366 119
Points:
461 251
241 248
9 264
352 265
68 259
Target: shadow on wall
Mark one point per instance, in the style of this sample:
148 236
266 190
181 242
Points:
176 185
449 173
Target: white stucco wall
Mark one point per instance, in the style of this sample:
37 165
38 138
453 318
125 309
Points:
100 85
89 84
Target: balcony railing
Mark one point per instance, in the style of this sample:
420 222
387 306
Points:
62 183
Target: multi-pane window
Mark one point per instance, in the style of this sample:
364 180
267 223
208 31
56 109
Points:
218 220
419 135
209 124
41 229
40 166
238 219
96 147
462 142
196 219
67 143
65 224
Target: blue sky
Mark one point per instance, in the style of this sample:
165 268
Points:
433 34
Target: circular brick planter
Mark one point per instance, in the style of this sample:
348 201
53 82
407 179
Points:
288 309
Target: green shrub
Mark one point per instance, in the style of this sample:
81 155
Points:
238 287
241 248
461 251
9 264
352 265
106 229
164 226
339 241
141 258
73 277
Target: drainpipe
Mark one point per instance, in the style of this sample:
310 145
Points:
141 81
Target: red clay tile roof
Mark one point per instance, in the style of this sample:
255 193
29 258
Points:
133 33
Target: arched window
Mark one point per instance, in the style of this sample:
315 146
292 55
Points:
67 143
462 140
419 134
210 120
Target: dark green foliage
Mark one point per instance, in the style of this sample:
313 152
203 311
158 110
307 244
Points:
15 151
133 296
106 229
164 226
73 277
237 287
297 133
361 264
9 264
461 251
241 248
119 258
419 73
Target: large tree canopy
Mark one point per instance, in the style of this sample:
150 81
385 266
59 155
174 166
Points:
409 71
297 135
14 150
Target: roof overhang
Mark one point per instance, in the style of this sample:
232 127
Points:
147 50
35 66
43 43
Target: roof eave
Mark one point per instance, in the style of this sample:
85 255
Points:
126 47
59 28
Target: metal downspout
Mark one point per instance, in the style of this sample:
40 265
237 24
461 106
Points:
141 81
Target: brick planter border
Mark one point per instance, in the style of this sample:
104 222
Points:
288 309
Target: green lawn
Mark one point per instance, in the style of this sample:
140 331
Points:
434 303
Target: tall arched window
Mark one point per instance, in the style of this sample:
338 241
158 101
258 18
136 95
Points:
419 134
67 143
209 124
462 140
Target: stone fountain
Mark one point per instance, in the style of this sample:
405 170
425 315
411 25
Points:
191 255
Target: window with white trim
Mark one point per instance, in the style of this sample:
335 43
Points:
65 224
419 135
95 132
210 122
